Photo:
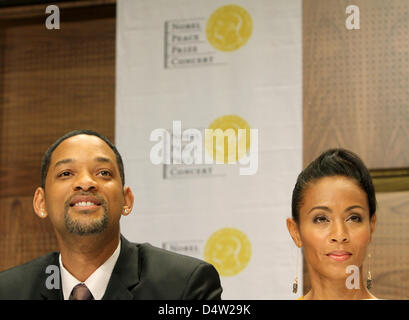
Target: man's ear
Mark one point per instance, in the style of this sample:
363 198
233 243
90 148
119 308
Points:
128 201
39 203
294 231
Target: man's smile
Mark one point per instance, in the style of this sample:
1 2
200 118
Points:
85 202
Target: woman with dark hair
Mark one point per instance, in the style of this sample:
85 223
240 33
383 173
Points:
333 218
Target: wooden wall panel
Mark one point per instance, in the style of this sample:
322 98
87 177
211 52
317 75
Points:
51 82
355 81
23 236
389 247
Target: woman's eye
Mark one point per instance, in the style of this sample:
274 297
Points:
355 218
320 219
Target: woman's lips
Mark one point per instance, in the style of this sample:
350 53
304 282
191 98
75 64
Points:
339 255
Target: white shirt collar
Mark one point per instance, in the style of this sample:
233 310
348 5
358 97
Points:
97 282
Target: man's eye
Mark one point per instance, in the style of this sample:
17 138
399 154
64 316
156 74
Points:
64 174
105 173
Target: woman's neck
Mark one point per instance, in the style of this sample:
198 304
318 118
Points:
323 288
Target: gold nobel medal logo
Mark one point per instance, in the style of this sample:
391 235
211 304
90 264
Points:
228 139
229 28
228 250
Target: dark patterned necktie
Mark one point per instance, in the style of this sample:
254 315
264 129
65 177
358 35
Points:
81 292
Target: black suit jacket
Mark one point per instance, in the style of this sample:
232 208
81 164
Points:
142 271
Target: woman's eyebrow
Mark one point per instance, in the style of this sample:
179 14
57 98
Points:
321 208
354 207
330 211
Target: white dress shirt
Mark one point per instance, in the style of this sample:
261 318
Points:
97 282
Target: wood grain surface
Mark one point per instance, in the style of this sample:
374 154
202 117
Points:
355 81
23 236
51 82
389 247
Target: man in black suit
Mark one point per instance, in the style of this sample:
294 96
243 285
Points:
83 193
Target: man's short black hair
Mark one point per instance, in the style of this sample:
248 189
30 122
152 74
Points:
45 163
334 162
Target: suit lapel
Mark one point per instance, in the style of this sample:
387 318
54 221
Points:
125 275
51 294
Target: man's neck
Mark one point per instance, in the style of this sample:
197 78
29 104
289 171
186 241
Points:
82 255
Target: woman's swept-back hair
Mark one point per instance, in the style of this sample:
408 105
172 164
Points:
334 162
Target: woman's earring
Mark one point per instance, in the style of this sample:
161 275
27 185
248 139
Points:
126 211
369 279
295 283
42 214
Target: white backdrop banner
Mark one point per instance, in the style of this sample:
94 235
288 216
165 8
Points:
209 123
